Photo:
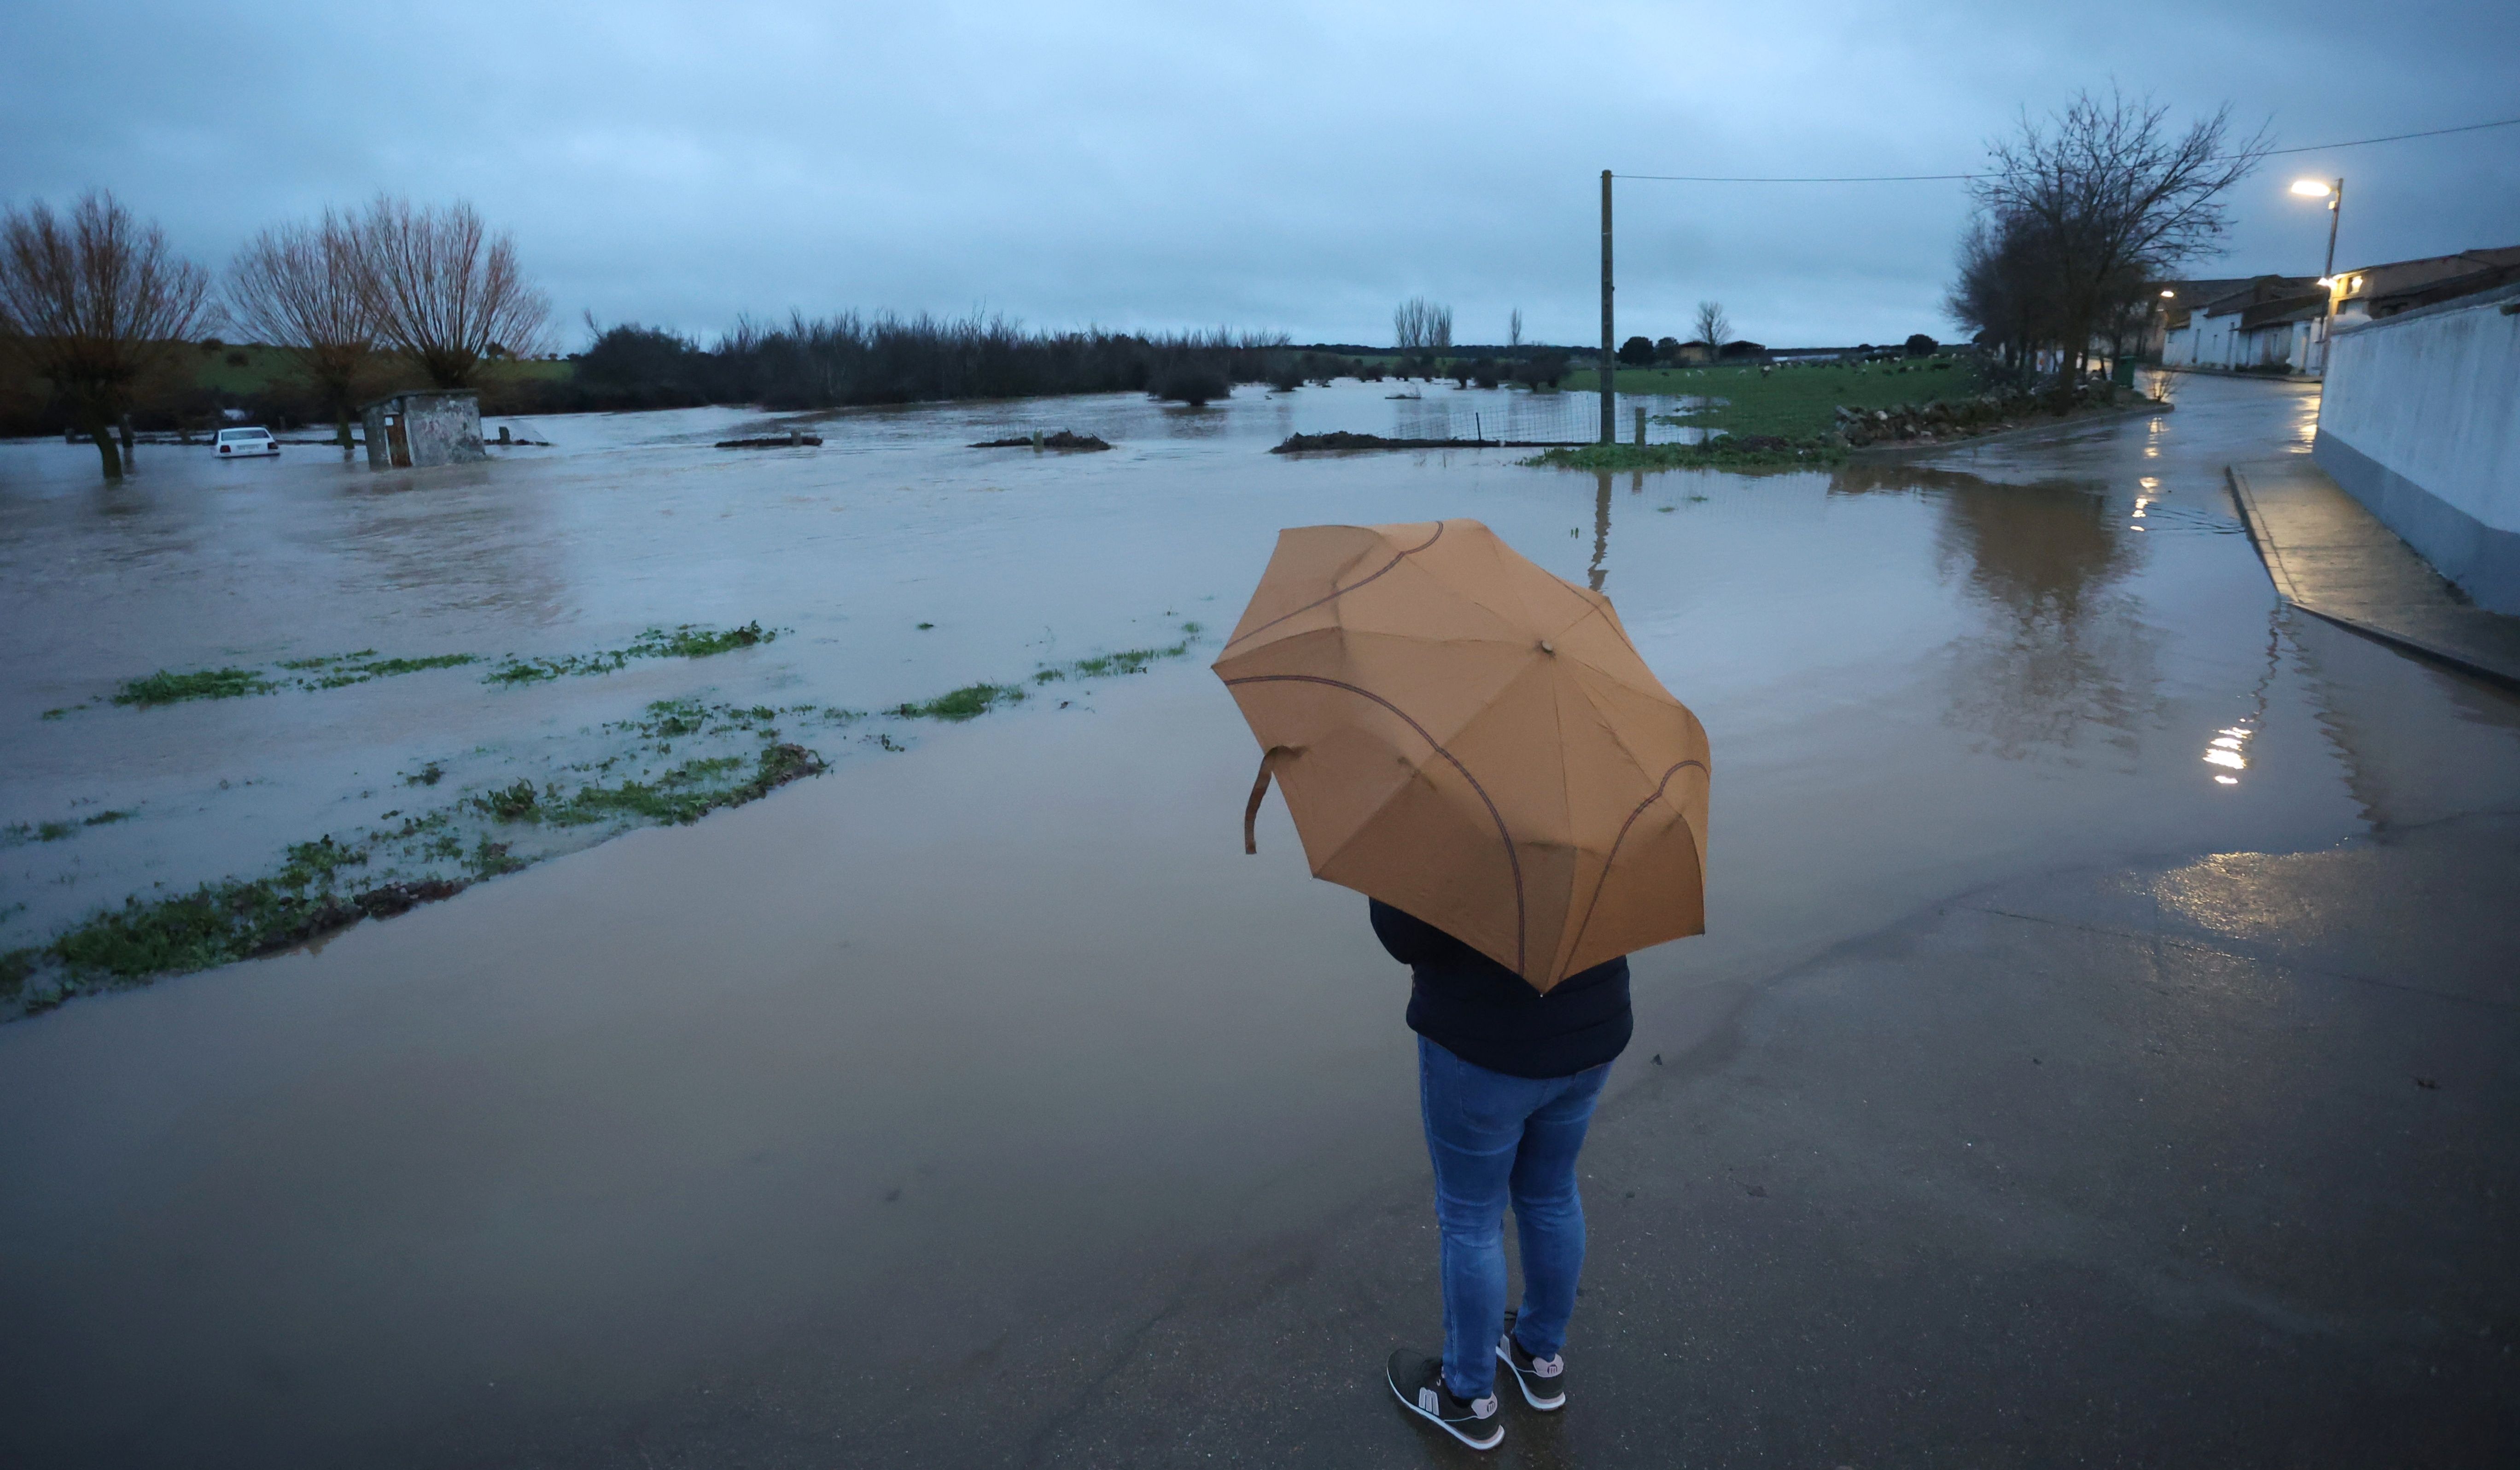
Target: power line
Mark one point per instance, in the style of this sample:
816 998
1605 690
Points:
2471 127
1932 178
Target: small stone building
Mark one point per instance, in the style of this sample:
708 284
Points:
417 430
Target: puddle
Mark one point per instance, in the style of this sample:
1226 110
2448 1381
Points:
915 1049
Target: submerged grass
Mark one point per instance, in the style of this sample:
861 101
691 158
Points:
168 687
1715 454
340 671
973 700
327 884
685 641
691 791
335 671
19 833
969 702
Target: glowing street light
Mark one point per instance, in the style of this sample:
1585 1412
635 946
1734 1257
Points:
2311 189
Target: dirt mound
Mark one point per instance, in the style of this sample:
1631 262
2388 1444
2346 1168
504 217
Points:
774 441
1064 439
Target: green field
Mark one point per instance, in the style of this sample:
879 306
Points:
1794 403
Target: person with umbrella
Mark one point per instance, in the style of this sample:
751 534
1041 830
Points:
1476 746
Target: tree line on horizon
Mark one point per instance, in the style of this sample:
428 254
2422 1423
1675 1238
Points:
850 359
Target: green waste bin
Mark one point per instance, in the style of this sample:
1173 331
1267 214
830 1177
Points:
2122 372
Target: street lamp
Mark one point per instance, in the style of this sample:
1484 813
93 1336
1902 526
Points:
2335 193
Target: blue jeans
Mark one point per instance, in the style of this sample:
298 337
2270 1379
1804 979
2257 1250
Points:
1497 1138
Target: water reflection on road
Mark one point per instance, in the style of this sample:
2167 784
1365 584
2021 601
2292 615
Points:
941 1050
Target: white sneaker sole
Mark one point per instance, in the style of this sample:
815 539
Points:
1528 1396
1495 1436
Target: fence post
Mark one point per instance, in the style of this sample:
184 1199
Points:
1641 428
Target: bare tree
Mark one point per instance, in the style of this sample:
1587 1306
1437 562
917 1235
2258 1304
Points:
1513 331
445 291
298 286
93 300
2003 295
1712 325
1439 328
1412 325
2105 195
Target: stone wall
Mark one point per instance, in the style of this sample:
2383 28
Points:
2420 422
438 428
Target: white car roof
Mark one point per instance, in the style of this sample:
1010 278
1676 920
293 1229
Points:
243 433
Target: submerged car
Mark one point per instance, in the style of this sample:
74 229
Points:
246 441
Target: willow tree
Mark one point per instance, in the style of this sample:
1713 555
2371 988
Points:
446 292
93 300
299 287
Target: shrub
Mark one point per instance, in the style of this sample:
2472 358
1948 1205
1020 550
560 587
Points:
1543 370
1196 383
1637 351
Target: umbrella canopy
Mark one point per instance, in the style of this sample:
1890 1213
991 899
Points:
1473 740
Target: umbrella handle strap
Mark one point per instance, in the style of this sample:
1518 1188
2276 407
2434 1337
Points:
1259 789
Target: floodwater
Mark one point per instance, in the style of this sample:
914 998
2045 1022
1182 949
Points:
905 1061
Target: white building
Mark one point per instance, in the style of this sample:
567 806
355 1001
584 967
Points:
2256 323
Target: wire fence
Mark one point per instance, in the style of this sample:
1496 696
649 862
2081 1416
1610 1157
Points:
1517 416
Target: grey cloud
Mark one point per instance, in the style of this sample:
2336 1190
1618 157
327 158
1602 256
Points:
1299 166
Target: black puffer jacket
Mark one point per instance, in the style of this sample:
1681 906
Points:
1488 1015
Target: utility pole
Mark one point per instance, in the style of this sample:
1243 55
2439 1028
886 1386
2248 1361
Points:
2327 324
2335 209
1609 345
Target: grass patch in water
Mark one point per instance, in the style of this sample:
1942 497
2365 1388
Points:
335 671
1126 661
685 641
313 893
19 833
344 670
689 791
973 700
165 688
969 702
1715 454
14 967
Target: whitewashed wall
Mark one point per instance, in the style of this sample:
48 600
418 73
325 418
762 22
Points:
2420 421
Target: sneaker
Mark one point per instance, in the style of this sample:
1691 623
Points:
1418 1382
1543 1379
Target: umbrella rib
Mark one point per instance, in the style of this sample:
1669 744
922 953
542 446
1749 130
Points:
1512 859
1603 881
1336 593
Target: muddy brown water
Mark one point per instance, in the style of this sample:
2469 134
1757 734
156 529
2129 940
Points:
937 1046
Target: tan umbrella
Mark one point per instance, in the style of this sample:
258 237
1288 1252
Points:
1473 740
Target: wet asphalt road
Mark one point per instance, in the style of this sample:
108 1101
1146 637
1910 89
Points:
2212 1164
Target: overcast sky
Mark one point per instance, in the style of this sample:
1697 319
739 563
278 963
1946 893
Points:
1296 167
